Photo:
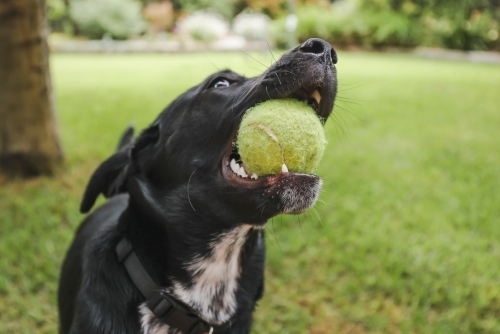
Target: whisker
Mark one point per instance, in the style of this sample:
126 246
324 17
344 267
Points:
206 56
189 181
269 47
338 117
275 50
309 216
271 240
278 78
250 56
338 125
300 224
262 212
320 221
253 68
279 91
351 102
350 88
321 201
363 82
347 111
347 125
351 98
257 211
274 234
289 72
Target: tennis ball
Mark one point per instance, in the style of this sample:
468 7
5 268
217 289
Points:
278 132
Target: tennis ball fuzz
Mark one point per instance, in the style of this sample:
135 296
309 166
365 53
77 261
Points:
278 132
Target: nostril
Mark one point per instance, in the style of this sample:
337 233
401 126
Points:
333 54
312 46
321 48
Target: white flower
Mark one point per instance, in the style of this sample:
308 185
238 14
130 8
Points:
204 26
252 26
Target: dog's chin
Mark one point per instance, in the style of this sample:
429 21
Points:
285 192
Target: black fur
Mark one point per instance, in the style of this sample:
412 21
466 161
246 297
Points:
172 194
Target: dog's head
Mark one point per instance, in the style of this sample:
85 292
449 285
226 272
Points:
183 159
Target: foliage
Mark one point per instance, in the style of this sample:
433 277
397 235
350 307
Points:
480 32
403 23
56 10
226 8
269 7
160 15
404 238
252 26
457 24
118 18
347 26
204 25
58 16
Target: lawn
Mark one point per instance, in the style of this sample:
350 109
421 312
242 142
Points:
405 239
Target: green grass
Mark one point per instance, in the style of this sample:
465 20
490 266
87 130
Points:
405 239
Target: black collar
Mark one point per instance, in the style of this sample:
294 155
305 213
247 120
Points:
171 311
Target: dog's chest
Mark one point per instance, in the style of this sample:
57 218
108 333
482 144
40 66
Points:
214 282
215 278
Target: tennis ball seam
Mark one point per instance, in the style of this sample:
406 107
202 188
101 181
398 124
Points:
273 136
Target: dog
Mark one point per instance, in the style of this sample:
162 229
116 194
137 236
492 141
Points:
179 246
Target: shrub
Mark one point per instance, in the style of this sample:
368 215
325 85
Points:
480 32
204 25
224 7
118 18
57 15
252 26
407 23
160 15
313 22
348 26
380 29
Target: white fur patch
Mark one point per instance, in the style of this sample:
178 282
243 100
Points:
294 201
150 324
215 277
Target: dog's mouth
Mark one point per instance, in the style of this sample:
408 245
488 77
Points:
310 95
233 166
285 183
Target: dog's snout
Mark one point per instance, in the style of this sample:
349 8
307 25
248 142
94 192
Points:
321 48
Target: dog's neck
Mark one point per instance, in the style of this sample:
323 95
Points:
214 277
195 262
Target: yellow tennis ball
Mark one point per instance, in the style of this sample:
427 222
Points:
278 132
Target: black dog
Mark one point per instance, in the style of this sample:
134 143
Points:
179 247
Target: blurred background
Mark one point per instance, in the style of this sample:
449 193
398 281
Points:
405 237
367 24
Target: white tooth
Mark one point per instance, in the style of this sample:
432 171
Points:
234 166
316 95
284 169
254 176
242 172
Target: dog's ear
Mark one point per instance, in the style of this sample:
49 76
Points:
107 179
110 178
148 137
127 137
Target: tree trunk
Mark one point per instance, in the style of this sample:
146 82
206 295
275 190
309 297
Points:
29 138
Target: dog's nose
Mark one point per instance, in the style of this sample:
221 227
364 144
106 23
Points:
321 48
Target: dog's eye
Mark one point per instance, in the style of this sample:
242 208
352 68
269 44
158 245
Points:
221 83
